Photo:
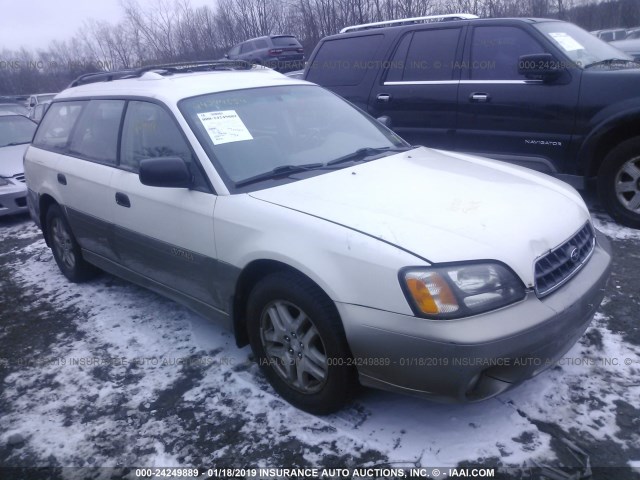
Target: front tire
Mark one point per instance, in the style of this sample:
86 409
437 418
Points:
66 250
619 183
298 339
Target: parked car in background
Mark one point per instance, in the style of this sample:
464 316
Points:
630 47
315 234
16 132
39 98
14 109
610 34
633 33
280 52
39 110
544 94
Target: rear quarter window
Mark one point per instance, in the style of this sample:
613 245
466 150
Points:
345 61
57 125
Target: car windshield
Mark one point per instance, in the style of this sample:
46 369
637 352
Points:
15 130
13 108
583 48
282 130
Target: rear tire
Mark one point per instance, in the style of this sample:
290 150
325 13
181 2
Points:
619 183
66 250
298 339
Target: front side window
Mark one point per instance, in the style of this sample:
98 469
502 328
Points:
149 131
250 132
96 136
496 51
57 125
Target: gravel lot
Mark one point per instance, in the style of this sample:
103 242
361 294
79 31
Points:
106 374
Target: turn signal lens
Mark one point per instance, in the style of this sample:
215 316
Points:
431 293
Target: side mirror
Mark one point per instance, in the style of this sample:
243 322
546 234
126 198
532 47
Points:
540 66
385 120
226 55
170 172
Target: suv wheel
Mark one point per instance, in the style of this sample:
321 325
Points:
66 250
619 183
297 337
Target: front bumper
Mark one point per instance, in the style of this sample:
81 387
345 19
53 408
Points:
13 199
475 358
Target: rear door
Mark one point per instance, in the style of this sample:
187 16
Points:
419 87
82 143
164 234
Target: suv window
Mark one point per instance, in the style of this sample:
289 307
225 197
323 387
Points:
429 56
150 132
348 56
260 43
495 52
57 125
285 42
235 50
246 47
96 136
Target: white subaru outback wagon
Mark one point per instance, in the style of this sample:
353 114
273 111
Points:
342 254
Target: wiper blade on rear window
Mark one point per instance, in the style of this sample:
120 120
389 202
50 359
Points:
363 153
282 170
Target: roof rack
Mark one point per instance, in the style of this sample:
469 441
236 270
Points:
408 21
163 69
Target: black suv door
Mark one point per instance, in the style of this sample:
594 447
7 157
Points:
419 86
503 114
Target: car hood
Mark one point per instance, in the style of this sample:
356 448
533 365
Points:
444 206
11 160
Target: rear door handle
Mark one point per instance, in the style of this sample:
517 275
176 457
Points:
122 200
479 97
383 97
62 180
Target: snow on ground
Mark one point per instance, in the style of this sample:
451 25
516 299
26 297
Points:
135 379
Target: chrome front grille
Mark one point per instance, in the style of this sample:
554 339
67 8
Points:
19 177
560 264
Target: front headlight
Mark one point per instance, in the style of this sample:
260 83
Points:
4 182
460 290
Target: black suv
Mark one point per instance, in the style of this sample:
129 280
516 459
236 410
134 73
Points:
280 52
539 93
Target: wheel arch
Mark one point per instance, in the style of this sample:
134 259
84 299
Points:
251 274
45 202
605 138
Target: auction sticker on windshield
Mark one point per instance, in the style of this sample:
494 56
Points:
224 127
566 41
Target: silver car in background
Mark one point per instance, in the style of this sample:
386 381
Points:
16 132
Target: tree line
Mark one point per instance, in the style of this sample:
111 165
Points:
174 30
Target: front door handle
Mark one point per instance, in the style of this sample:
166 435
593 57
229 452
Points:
62 180
479 97
122 200
383 97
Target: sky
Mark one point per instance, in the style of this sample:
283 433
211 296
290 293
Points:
35 23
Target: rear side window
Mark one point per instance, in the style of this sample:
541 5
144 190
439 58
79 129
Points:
345 61
495 52
431 55
96 136
260 43
427 55
57 125
246 47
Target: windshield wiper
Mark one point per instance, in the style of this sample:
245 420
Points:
363 153
609 61
282 170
